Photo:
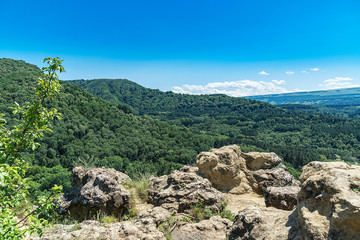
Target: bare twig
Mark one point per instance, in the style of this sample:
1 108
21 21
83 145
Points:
172 229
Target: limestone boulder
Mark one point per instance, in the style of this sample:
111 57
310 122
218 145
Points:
282 197
329 201
182 190
261 160
94 191
215 228
273 177
231 170
226 169
328 207
262 223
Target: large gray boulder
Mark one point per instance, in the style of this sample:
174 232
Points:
182 190
262 223
95 191
282 197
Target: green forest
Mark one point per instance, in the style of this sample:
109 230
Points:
93 131
296 136
136 130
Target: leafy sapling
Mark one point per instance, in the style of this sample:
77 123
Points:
36 120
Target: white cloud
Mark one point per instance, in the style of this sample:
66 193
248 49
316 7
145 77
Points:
278 82
339 82
305 72
234 88
263 73
315 69
289 72
338 79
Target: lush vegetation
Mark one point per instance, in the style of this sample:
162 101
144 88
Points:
143 131
18 215
94 132
296 136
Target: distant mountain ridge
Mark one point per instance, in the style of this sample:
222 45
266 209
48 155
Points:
344 95
340 102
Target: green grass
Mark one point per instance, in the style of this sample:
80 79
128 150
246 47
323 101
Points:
140 184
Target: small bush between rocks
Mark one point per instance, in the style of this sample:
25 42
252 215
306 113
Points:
74 228
108 219
167 226
140 184
201 212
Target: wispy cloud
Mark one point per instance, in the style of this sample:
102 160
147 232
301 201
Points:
305 72
263 73
289 72
234 88
278 82
314 69
339 82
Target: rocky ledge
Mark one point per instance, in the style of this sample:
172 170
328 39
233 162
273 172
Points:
328 207
325 204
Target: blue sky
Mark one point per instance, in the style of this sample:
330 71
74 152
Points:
233 47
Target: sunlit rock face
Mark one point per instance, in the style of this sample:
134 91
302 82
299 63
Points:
328 207
231 170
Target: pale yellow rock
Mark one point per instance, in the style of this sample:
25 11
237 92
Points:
329 201
226 169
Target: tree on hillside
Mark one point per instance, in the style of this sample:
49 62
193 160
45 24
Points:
18 215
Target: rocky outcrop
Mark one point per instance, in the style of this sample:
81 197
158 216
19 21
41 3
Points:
328 207
274 177
94 191
261 160
215 228
262 223
329 201
145 227
282 197
226 169
231 170
182 190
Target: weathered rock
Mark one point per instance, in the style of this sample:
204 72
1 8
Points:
328 208
282 197
182 190
236 202
262 223
274 177
146 226
190 169
215 228
155 216
226 169
230 170
93 191
261 160
143 228
329 201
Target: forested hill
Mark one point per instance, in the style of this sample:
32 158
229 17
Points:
297 137
97 132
